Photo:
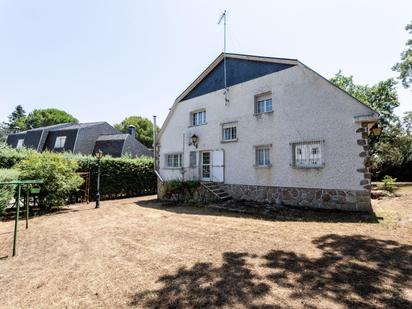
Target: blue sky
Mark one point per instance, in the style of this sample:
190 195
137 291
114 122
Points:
108 59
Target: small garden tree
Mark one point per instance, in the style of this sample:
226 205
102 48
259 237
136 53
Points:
58 173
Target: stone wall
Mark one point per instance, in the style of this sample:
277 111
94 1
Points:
303 197
198 195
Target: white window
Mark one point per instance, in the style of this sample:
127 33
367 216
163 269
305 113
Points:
174 160
263 103
229 132
263 156
20 142
307 155
198 118
60 141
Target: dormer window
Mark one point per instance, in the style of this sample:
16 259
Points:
60 141
198 118
263 103
20 142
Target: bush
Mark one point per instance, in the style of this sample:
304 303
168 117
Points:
179 190
58 173
388 184
9 157
7 191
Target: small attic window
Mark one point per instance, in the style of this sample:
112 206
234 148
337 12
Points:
20 142
60 141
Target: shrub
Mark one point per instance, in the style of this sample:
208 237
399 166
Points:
179 190
9 157
388 183
7 191
58 173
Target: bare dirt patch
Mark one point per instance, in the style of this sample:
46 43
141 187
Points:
139 253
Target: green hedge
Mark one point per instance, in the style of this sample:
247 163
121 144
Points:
120 177
7 191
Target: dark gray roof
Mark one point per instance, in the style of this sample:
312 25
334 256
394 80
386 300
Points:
54 126
80 125
112 137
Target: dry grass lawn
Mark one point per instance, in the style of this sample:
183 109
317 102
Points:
139 253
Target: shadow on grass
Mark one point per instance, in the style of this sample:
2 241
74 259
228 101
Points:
352 271
263 211
10 214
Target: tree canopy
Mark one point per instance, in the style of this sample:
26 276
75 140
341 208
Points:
382 97
404 67
392 153
37 118
16 119
144 129
47 117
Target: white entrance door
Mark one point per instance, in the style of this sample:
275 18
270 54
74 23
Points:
218 165
206 171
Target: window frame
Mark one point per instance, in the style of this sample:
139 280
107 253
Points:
179 160
262 102
266 155
307 156
20 143
58 138
232 126
196 120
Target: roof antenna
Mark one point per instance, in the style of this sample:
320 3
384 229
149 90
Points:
223 17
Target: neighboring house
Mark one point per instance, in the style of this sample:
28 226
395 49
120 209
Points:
281 134
82 138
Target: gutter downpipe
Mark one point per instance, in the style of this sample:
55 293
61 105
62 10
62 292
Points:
154 151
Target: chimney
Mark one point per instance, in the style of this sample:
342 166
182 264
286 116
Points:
132 131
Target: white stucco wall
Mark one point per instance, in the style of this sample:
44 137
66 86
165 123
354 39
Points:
305 108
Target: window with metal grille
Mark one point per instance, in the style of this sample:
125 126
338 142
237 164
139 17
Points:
174 160
307 154
60 141
263 156
198 118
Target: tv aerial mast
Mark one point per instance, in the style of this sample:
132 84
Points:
224 17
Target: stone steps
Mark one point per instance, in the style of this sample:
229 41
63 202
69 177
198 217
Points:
217 190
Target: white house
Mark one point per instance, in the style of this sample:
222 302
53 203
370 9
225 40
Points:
279 133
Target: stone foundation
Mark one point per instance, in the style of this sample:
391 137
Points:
351 200
199 195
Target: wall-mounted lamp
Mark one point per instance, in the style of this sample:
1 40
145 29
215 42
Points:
195 140
375 131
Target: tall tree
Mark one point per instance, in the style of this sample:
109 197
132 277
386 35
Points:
47 117
382 97
392 153
407 122
17 119
144 129
404 67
